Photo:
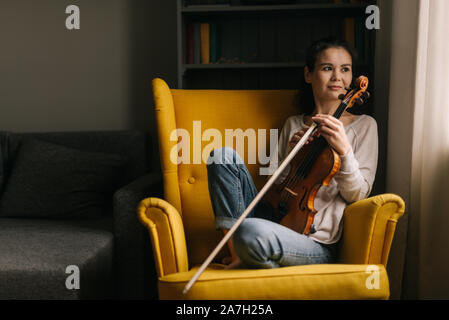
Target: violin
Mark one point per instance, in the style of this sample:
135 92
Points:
293 198
312 167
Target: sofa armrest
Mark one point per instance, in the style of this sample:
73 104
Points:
167 235
135 272
369 227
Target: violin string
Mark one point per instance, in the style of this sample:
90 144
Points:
292 180
305 166
301 170
312 159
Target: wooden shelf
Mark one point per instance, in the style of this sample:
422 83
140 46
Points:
268 8
244 65
265 32
261 65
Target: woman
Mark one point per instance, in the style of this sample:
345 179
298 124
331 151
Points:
260 241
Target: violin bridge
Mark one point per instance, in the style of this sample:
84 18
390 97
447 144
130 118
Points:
291 191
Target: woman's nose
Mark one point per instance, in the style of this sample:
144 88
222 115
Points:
336 75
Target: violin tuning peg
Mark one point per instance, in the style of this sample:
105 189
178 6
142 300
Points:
359 101
366 94
341 96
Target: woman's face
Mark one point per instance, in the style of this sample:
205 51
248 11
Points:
332 74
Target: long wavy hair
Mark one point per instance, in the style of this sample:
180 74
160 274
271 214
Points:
305 99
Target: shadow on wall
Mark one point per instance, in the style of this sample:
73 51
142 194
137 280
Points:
152 43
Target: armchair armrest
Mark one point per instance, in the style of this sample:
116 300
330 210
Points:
369 227
134 261
167 235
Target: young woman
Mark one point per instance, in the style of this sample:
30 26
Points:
260 241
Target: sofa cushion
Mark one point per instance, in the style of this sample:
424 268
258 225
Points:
52 181
35 254
135 146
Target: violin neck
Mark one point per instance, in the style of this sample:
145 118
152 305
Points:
341 108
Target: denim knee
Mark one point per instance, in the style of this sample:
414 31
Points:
243 236
217 158
254 246
225 155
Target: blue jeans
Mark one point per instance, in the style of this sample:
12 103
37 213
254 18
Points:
260 241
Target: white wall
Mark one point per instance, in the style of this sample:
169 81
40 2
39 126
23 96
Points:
418 141
95 78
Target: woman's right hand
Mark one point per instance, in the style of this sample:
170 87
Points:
295 139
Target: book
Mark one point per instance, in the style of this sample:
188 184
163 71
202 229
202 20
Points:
349 30
359 36
205 43
196 43
214 44
189 43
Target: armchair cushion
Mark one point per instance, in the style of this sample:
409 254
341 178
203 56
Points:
53 181
323 281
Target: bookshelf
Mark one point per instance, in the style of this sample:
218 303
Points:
262 44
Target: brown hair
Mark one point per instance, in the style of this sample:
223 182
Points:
305 100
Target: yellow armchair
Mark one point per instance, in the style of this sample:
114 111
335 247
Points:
182 229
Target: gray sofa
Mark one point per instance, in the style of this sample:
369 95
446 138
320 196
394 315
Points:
69 199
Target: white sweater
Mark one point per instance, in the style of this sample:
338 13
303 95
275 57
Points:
353 182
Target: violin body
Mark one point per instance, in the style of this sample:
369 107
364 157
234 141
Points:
293 199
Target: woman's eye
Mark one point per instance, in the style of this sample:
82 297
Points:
346 69
327 68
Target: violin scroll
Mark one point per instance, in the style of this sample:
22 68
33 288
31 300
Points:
358 94
362 83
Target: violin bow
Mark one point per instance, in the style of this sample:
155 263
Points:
361 81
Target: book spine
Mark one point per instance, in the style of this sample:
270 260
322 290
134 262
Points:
360 43
214 43
205 43
189 43
196 43
349 31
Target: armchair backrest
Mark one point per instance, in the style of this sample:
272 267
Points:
203 119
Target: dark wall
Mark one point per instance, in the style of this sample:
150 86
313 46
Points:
95 78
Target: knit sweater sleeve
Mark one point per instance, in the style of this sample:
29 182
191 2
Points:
358 167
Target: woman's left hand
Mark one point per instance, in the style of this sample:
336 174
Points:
333 130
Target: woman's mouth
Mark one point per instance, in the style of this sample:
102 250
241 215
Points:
335 88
